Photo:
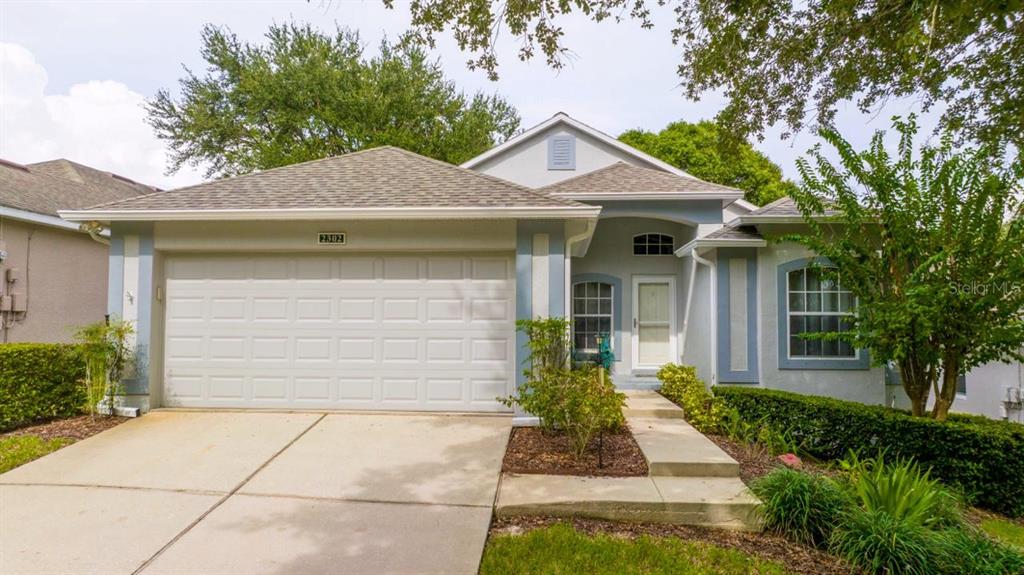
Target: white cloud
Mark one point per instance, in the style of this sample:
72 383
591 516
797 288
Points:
99 123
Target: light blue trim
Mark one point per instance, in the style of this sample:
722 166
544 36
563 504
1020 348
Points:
616 284
690 212
569 165
115 275
144 324
524 297
861 362
556 271
725 373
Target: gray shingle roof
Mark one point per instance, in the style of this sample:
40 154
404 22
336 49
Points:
385 177
732 232
45 188
623 178
784 206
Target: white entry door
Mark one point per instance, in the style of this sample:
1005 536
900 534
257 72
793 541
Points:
654 326
404 331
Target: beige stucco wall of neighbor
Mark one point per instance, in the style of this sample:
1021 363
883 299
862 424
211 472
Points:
527 162
611 253
64 275
863 385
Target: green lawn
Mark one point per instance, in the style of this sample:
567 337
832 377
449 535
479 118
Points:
560 549
1005 531
20 449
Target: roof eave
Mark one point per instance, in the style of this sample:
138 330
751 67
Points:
717 195
475 213
37 218
703 243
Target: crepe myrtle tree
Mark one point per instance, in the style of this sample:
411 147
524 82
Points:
932 245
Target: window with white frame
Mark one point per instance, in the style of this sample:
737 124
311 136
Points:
652 245
818 303
591 315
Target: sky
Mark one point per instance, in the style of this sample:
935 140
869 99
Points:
75 75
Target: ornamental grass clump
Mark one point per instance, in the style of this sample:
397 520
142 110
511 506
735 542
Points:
801 506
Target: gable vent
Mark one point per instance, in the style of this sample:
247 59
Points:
562 152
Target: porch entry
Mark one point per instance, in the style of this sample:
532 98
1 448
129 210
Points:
654 325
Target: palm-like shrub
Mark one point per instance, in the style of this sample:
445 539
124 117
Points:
902 490
802 506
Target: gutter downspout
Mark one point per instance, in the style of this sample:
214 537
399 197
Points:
713 307
94 229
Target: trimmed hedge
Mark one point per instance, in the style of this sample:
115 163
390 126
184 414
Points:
983 460
39 381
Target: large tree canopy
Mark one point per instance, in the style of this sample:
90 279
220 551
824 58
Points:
932 244
700 150
792 61
305 95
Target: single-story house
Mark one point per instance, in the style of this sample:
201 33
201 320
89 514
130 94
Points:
53 274
386 280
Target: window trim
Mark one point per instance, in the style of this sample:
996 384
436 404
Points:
616 283
861 359
671 240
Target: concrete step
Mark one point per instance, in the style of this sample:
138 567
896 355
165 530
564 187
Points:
673 448
650 404
707 501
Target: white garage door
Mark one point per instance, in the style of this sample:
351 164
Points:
430 332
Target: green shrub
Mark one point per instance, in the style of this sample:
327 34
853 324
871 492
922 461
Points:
904 492
680 384
801 506
39 381
580 401
960 551
980 460
878 543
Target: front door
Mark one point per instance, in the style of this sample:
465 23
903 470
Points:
654 329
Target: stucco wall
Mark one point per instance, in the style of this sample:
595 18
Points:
863 385
611 253
64 276
699 349
527 163
986 390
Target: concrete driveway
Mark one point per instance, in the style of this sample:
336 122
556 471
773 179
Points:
249 492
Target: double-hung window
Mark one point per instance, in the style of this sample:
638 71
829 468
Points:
818 303
591 315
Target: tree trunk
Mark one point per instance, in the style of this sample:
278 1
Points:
946 395
917 384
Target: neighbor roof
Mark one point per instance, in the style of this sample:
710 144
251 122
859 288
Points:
621 178
42 189
98 179
371 182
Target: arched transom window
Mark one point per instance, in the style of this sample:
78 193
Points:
652 245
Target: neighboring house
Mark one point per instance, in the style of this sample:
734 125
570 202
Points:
386 280
53 276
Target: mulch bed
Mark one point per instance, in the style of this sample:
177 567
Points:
530 450
753 463
75 428
796 558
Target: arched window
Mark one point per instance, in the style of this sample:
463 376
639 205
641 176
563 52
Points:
592 315
817 303
652 245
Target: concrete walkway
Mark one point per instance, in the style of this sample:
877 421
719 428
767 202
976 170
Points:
691 480
247 492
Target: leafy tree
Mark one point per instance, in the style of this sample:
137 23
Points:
700 150
785 60
932 245
305 95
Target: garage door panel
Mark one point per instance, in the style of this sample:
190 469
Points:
353 332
